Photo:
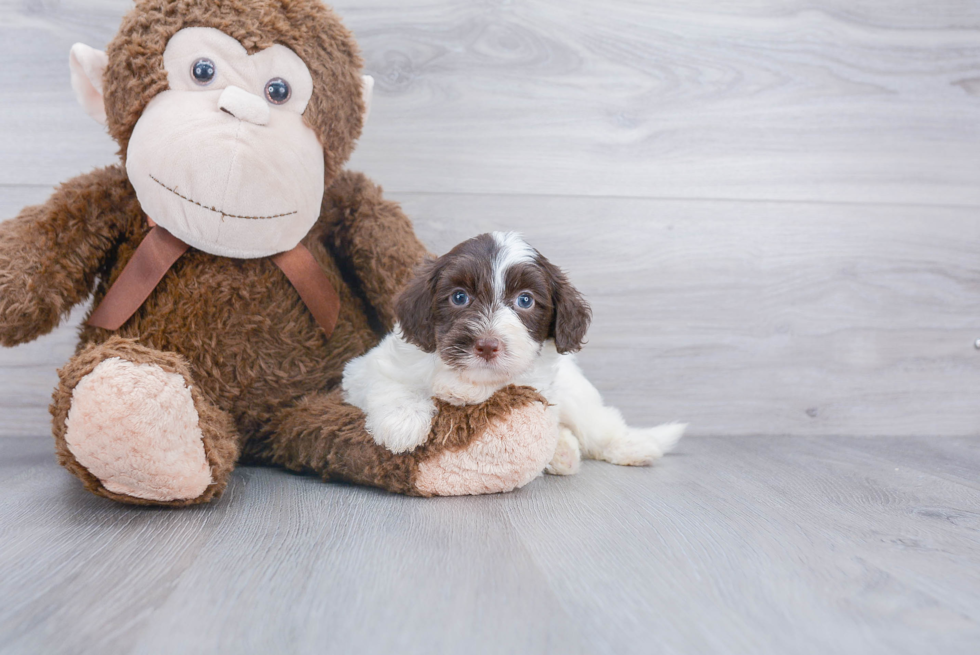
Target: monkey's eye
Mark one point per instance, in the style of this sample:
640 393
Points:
277 91
203 71
525 301
459 298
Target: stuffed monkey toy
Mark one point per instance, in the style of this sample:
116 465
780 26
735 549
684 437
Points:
234 267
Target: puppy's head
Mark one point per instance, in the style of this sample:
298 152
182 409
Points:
489 304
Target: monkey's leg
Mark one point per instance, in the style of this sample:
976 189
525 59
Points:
497 446
132 426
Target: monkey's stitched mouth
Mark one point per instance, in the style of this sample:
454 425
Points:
215 209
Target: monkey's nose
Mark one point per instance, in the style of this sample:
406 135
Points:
487 348
244 106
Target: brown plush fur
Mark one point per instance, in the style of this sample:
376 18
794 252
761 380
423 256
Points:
455 427
263 375
238 330
345 451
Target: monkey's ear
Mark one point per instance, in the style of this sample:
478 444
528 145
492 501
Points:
415 306
367 92
87 67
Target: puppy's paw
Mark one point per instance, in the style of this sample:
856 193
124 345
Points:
643 446
568 456
402 430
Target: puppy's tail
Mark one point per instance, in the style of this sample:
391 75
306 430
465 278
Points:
667 435
643 446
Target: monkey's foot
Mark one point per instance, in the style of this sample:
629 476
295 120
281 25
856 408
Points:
136 429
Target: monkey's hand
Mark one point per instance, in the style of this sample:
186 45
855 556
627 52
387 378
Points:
495 446
51 254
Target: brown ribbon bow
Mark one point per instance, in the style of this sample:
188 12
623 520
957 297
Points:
160 250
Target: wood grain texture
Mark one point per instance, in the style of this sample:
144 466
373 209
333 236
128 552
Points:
762 545
741 318
607 134
785 100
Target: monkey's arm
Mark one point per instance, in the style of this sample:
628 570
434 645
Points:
372 238
51 253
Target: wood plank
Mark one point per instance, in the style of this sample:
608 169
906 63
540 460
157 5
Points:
825 101
779 545
763 545
741 318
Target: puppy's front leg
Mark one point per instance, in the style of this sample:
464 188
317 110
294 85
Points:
397 415
402 424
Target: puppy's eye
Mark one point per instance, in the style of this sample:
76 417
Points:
277 91
525 301
459 298
203 71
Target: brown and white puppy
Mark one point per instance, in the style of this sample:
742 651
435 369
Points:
492 312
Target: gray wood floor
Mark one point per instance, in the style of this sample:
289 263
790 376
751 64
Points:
773 208
750 545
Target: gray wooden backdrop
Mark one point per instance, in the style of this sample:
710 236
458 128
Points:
773 206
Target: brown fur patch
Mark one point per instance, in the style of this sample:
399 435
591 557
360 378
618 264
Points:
456 427
250 345
572 314
325 436
51 254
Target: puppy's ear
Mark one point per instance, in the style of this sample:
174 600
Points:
415 307
572 314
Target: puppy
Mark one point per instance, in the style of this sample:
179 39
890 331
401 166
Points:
493 312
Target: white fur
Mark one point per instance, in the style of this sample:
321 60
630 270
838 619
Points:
394 385
601 431
512 250
568 455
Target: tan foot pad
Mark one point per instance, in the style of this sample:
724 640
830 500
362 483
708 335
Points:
507 456
135 428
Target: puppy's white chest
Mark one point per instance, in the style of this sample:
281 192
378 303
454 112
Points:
448 385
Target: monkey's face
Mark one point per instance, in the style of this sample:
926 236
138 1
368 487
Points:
223 158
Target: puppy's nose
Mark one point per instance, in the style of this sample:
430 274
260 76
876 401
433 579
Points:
487 348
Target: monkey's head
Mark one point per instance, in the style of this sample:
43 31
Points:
231 115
